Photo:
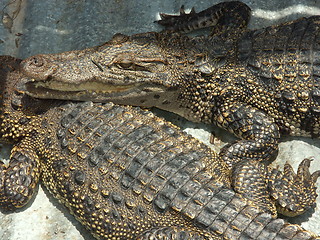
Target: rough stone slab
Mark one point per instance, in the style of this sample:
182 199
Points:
48 26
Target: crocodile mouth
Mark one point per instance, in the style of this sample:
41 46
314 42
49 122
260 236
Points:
133 94
83 91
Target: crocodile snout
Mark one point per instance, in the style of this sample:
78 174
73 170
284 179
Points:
37 67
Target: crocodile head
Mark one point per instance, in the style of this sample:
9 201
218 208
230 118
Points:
164 70
136 70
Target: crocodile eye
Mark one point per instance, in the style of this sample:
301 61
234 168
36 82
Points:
129 65
125 64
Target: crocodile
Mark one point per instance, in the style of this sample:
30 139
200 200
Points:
126 174
258 84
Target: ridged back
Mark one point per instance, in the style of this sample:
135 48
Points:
288 53
123 171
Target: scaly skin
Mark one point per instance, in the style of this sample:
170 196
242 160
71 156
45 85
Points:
258 84
126 174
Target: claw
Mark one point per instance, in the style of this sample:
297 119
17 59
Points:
164 16
315 176
182 12
288 171
193 11
303 169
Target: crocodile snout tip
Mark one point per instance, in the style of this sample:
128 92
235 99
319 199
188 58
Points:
33 62
37 67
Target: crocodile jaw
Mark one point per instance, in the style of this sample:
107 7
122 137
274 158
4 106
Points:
138 94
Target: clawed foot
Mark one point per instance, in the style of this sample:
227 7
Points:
165 16
168 20
293 193
224 17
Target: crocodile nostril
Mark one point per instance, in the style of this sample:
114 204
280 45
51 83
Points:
36 61
37 67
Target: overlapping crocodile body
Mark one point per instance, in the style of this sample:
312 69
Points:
258 84
123 172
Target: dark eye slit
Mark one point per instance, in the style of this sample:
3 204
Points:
140 68
97 65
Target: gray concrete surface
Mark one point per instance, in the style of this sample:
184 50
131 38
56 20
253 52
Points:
48 26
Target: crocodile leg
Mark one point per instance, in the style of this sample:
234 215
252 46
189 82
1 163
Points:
259 133
19 180
250 180
222 17
293 193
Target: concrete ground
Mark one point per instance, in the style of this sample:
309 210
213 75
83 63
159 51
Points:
54 26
